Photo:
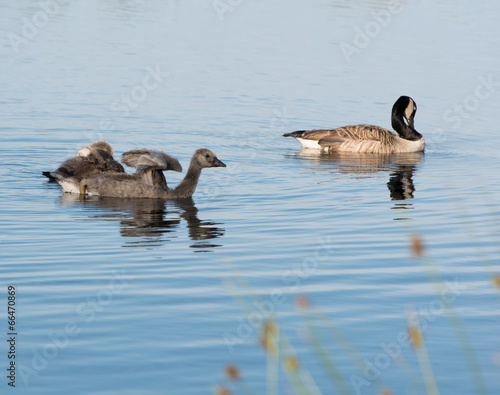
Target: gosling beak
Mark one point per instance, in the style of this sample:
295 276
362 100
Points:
218 163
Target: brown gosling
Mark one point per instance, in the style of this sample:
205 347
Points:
95 158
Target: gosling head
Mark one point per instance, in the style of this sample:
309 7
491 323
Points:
206 158
96 145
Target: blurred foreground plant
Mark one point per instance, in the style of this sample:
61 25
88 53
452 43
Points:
320 329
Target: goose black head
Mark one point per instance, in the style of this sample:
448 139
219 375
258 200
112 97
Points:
406 107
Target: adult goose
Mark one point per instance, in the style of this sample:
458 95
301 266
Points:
95 158
368 138
144 183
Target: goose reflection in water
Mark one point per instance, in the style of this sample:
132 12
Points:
151 222
362 165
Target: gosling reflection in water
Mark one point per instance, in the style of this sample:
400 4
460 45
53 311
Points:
401 168
151 222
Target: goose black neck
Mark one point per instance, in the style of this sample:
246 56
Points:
405 131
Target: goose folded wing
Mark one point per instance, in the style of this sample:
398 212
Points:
355 133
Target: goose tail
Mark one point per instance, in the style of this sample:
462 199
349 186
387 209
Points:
49 175
296 134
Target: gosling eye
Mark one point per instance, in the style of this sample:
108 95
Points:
207 156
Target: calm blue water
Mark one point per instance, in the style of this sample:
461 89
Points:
151 297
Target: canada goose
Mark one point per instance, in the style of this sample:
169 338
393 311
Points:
143 183
367 138
95 158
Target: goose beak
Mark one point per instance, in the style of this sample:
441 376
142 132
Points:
218 163
410 121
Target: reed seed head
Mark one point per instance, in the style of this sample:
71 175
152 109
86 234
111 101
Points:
292 364
415 337
223 391
417 246
232 372
302 302
268 339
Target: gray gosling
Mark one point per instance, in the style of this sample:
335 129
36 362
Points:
146 182
368 138
95 158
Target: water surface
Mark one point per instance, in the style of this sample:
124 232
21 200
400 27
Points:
133 296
